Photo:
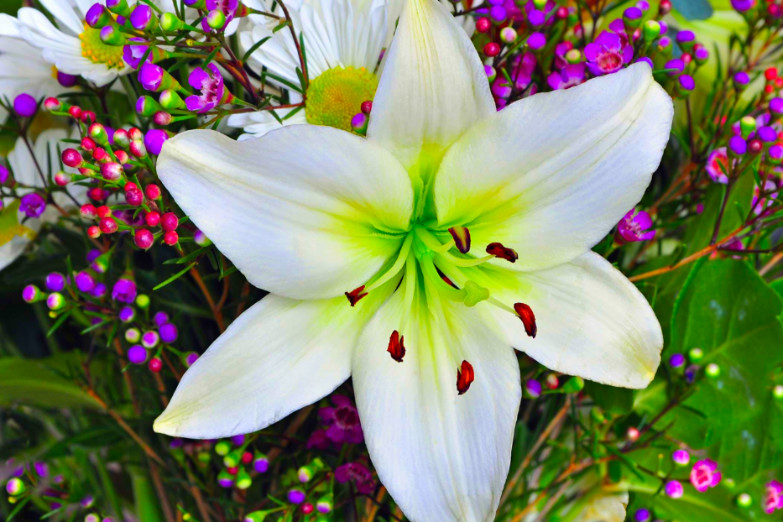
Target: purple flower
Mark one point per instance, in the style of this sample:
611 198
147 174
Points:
705 475
357 473
133 54
674 489
635 226
84 282
33 205
124 290
568 76
213 91
168 333
773 497
25 105
607 54
522 69
743 5
342 421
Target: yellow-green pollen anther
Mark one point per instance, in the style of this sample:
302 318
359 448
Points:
335 96
98 52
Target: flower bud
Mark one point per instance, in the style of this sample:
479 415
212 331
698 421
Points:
143 18
72 158
111 35
170 23
25 105
118 7
111 171
170 100
216 19
741 80
55 301
154 78
651 30
143 238
31 294
243 479
147 106
52 104
97 16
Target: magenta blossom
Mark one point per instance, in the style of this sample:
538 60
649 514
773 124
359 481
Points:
33 205
635 226
227 7
773 497
718 165
359 474
607 54
342 421
767 199
705 475
213 91
568 76
134 54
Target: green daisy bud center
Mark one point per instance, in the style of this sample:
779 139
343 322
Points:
98 52
335 96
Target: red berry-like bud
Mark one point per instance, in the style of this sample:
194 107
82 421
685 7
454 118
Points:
152 191
103 211
135 134
134 197
483 25
771 73
97 194
769 88
88 144
111 171
169 221
93 232
155 365
121 138
101 155
138 149
62 179
366 107
108 225
307 508
52 104
171 238
161 118
562 13
492 49
72 158
664 7
686 58
87 117
233 470
247 457
143 238
84 171
755 146
88 211
121 156
129 186
152 219
75 111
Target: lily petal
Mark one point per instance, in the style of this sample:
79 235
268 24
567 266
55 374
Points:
591 321
441 455
278 356
433 86
558 170
301 225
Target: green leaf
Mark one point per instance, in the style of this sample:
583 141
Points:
693 9
728 311
613 400
36 382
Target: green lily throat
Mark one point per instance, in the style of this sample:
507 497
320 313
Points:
436 262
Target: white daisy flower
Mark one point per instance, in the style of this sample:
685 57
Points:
22 67
71 45
16 232
343 41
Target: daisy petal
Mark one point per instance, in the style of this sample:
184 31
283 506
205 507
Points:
591 322
433 85
64 12
442 456
311 225
278 356
558 170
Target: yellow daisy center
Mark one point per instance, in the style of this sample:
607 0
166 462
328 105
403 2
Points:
335 96
98 52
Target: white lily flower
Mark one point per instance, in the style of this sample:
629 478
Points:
71 45
311 212
15 231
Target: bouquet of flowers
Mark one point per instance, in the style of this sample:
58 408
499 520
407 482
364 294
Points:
386 260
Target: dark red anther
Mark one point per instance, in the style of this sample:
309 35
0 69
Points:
498 250
355 295
528 318
396 346
461 237
464 377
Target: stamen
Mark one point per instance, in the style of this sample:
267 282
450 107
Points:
396 346
355 295
461 237
498 250
528 318
464 377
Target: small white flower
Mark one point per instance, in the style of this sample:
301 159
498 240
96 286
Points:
343 41
314 214
71 45
15 235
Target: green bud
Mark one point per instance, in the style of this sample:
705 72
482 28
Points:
651 30
695 354
142 301
232 459
147 106
597 415
216 19
256 516
539 4
712 370
121 8
573 385
747 126
508 35
777 391
111 35
243 479
573 56
222 448
744 500
132 335
170 23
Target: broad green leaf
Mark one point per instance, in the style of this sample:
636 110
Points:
36 382
728 311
